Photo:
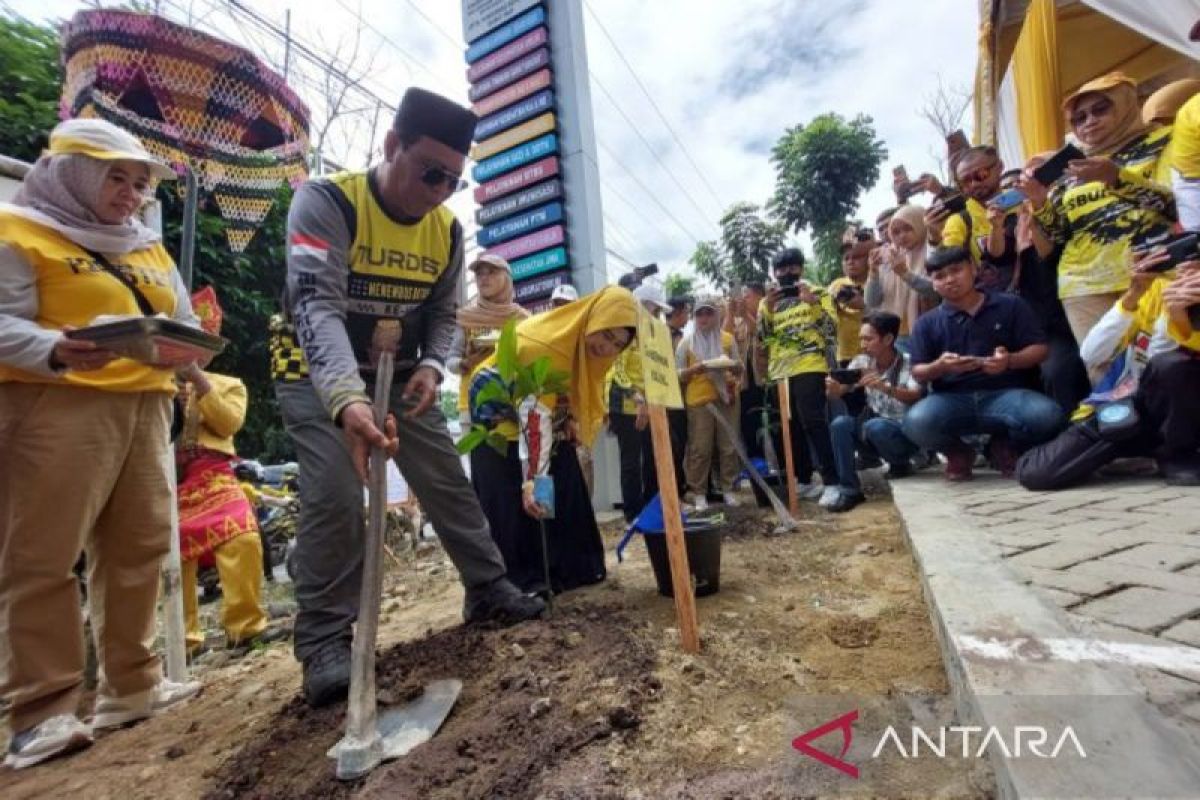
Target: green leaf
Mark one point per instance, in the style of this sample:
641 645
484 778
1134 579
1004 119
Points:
506 351
472 440
493 392
498 442
541 370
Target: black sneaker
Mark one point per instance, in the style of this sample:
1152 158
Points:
900 470
1181 471
864 461
500 602
845 501
327 674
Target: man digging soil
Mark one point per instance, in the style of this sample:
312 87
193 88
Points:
373 263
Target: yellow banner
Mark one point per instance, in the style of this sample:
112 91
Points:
514 136
658 361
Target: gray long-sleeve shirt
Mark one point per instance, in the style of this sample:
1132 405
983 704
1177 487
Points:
335 323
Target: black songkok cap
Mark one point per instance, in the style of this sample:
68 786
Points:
423 113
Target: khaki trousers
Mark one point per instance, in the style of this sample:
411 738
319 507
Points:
240 568
1085 311
705 435
81 469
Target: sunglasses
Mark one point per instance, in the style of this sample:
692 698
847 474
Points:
1096 110
434 176
978 176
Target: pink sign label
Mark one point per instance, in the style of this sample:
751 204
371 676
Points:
509 53
517 179
547 237
511 94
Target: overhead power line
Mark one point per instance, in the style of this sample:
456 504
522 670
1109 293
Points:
666 212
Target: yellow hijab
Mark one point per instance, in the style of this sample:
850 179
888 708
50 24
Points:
559 334
1160 108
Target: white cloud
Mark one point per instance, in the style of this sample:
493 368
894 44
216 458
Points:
730 77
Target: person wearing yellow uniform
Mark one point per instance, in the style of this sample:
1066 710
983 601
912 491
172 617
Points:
1108 203
1151 340
481 321
85 458
978 172
581 340
706 386
374 260
1185 163
629 418
216 519
849 295
797 325
1160 110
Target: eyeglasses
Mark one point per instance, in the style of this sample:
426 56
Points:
434 176
1096 110
978 176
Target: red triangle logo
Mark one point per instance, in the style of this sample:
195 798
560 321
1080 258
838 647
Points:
843 723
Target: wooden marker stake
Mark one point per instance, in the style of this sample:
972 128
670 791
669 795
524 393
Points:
681 575
785 426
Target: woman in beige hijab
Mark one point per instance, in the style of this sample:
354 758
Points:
1108 202
898 282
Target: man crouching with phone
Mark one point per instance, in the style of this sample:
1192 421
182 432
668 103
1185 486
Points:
976 352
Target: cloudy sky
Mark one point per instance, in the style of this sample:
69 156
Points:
729 78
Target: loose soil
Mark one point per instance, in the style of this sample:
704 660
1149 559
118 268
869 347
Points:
597 702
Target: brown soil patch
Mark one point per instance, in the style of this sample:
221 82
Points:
834 609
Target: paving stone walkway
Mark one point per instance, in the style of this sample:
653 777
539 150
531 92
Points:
1120 556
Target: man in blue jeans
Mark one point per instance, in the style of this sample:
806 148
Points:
884 374
977 353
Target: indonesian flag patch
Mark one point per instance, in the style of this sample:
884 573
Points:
304 245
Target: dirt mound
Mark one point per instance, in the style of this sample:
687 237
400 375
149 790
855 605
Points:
554 687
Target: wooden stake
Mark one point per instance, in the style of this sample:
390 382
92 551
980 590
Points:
785 426
681 575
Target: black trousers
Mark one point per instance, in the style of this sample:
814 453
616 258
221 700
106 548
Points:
677 421
639 482
752 401
1064 377
809 429
1170 429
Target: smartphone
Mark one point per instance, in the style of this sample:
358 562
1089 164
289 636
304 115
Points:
846 377
789 291
1056 165
1009 198
1181 249
954 204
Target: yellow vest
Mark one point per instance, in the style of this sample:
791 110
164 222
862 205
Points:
392 266
701 390
73 289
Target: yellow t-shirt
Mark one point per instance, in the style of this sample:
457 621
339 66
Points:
798 335
1098 225
701 390
73 289
1185 141
849 321
625 375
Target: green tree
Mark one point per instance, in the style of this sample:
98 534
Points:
31 75
821 170
677 285
749 239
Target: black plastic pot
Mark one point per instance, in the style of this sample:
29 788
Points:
704 559
773 480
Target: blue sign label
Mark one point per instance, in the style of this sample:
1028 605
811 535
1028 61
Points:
512 73
506 33
515 114
521 224
514 203
536 264
511 159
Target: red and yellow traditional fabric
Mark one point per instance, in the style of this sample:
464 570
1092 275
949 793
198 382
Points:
212 507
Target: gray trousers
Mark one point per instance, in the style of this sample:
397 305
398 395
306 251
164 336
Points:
329 538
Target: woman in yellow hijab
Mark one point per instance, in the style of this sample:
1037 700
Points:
581 339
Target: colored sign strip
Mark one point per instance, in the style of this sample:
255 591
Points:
518 91
541 286
521 224
540 240
507 54
515 114
538 263
512 137
537 306
518 156
527 175
526 65
480 16
506 33
516 203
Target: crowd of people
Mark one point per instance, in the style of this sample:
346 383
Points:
1043 319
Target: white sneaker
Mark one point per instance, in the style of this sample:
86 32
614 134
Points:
700 503
113 712
829 497
51 737
808 491
731 500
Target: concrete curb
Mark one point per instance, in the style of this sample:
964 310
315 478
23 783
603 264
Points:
1003 646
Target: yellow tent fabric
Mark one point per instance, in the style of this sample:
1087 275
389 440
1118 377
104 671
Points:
1036 74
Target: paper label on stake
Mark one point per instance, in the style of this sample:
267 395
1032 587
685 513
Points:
658 361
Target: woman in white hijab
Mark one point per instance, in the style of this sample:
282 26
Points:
85 436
